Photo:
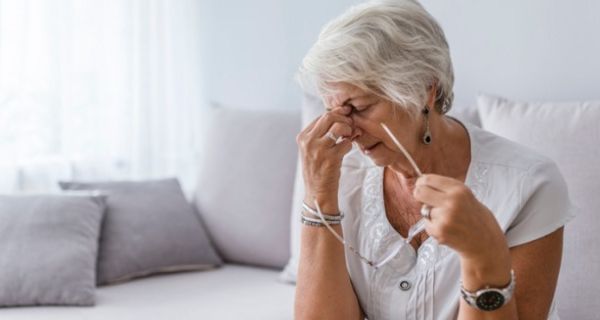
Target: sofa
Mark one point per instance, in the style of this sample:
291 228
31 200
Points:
246 183
243 195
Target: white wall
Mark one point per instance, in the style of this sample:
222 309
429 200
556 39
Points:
529 50
253 48
534 49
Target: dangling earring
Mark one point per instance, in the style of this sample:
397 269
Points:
427 135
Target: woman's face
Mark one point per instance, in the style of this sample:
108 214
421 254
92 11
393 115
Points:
368 111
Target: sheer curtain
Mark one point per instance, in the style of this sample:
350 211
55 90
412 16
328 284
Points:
98 89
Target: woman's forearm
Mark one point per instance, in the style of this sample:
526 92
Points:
323 289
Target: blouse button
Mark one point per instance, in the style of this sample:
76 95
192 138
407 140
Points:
405 285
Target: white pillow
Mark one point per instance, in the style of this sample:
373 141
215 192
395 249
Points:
568 133
465 113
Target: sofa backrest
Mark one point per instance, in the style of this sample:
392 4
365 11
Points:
245 181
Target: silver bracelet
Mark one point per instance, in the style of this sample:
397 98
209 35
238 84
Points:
311 223
318 220
328 217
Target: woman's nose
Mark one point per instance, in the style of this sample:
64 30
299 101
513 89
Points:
357 132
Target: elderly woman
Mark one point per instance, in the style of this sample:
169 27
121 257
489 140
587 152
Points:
493 210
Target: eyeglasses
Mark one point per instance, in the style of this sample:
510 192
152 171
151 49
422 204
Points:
415 229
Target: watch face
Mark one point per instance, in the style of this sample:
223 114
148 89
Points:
490 300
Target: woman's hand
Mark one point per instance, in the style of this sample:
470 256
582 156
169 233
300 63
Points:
459 220
322 157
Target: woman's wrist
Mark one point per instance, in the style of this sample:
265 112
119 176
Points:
327 202
491 268
487 261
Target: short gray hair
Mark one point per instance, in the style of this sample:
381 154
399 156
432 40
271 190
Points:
392 48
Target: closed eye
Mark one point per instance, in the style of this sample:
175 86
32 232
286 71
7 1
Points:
360 108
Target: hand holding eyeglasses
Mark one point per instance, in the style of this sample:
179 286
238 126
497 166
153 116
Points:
458 219
451 213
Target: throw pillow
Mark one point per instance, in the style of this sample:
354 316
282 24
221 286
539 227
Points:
248 160
149 228
48 249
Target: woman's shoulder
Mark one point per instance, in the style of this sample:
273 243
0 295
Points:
525 189
496 151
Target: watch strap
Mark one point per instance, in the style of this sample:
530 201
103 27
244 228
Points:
506 292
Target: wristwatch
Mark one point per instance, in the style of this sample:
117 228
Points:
489 299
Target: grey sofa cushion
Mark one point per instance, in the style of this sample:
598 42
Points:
245 181
232 292
48 249
149 228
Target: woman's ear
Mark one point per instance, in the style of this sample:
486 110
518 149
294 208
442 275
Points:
432 95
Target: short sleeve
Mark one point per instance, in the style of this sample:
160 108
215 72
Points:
546 205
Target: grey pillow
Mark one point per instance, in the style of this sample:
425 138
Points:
149 228
48 249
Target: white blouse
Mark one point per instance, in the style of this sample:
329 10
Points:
524 190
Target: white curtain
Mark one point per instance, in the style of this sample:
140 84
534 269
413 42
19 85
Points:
98 89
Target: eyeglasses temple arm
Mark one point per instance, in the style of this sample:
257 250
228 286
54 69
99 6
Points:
399 145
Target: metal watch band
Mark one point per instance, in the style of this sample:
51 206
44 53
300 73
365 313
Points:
489 299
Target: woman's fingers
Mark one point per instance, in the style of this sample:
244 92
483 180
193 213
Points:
311 125
328 130
440 183
328 119
309 129
429 196
339 110
343 147
338 130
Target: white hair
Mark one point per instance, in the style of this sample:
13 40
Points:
392 48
